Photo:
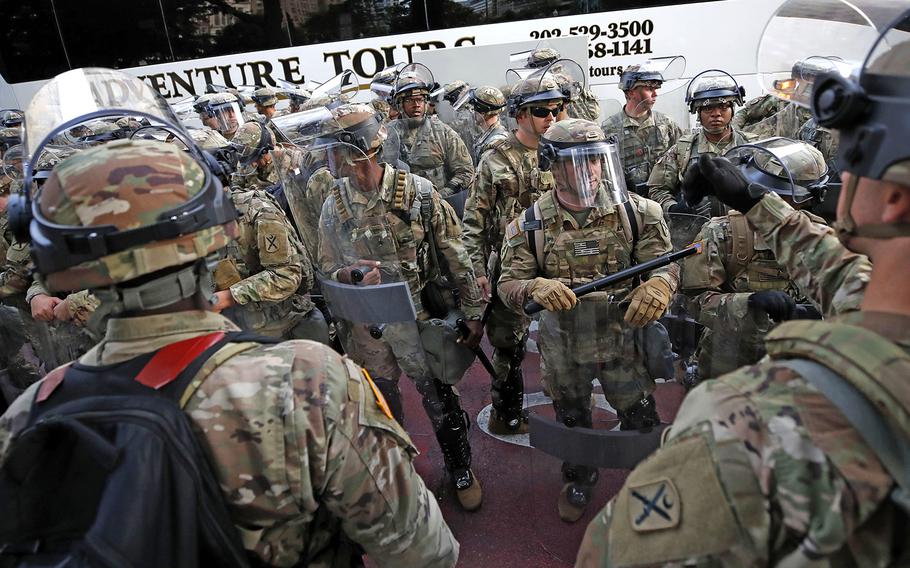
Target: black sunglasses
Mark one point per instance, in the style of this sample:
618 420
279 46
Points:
542 112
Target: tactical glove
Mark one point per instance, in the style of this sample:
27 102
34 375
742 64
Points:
679 207
553 295
729 184
694 186
777 304
649 302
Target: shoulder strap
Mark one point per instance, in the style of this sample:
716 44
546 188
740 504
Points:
425 199
628 215
686 144
502 150
743 243
533 223
890 446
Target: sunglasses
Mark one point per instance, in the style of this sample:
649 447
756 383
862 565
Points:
542 112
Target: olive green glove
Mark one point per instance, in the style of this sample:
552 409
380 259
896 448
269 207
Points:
553 295
649 302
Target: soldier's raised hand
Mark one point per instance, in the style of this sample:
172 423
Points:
776 303
553 295
649 302
729 184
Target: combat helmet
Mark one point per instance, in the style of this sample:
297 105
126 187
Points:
713 87
637 76
535 89
169 212
487 99
265 96
413 79
576 142
790 168
11 118
542 57
251 142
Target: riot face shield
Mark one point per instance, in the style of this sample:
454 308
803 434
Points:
78 97
12 162
587 175
711 87
383 83
794 170
342 87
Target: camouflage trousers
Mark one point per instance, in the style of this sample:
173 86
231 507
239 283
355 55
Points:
506 331
295 318
399 349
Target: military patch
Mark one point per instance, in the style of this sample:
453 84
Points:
586 248
513 230
380 400
271 243
533 225
656 506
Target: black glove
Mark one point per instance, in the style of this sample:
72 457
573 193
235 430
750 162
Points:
778 305
679 207
694 186
729 184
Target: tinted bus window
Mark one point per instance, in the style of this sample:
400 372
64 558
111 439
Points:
30 48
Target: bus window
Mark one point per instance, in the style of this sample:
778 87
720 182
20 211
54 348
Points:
30 48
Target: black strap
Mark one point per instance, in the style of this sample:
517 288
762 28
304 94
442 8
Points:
633 224
531 232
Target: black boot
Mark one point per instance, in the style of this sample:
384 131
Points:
392 395
578 481
508 417
450 424
640 416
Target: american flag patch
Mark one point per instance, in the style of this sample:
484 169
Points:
585 248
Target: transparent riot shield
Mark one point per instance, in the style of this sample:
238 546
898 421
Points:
11 162
793 169
342 87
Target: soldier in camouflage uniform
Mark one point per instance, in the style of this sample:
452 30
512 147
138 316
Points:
738 288
584 103
768 460
487 102
508 182
581 231
429 147
265 99
643 134
221 112
291 428
756 110
711 99
373 218
263 283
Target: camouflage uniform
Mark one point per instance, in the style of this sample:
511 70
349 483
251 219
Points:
487 139
306 209
756 110
666 177
266 267
735 263
507 182
302 448
332 448
434 151
642 141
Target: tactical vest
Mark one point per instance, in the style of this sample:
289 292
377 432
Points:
426 154
640 148
688 153
748 269
529 186
388 233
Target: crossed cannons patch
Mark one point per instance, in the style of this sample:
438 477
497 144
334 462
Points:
654 506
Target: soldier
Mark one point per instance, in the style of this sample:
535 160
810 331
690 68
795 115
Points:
393 226
263 283
712 99
508 181
756 110
738 288
351 461
431 148
782 462
487 102
265 99
643 134
579 234
583 103
221 112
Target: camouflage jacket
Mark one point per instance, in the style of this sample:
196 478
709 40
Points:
641 142
832 276
584 106
82 304
785 122
15 277
268 260
755 110
577 255
667 175
387 225
292 428
767 466
486 140
434 151
506 183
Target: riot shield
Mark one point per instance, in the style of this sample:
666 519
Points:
11 162
785 166
342 87
684 228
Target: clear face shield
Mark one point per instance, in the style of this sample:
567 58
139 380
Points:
77 98
667 95
226 118
792 169
410 80
342 87
589 175
12 162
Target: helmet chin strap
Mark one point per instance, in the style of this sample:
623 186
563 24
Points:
847 228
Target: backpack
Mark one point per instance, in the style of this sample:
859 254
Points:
108 470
